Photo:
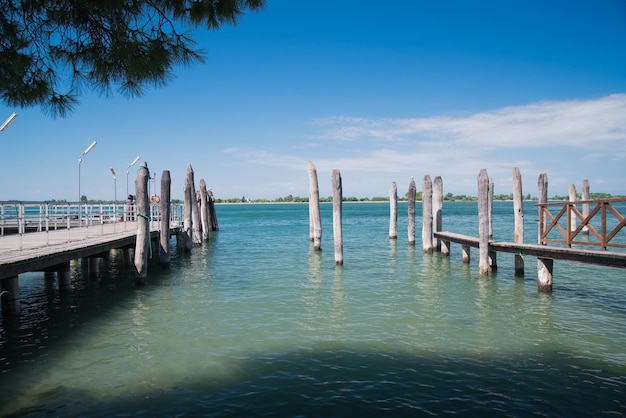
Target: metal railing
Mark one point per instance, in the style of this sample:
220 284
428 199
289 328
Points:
604 223
24 217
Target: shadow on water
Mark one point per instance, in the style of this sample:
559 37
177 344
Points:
336 380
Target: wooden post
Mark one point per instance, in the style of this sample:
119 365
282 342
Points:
204 211
411 212
195 212
10 296
64 277
445 248
484 266
164 235
143 224
427 215
518 208
212 211
127 256
187 220
315 220
465 255
490 207
544 265
393 211
337 208
544 274
437 214
93 263
585 196
570 213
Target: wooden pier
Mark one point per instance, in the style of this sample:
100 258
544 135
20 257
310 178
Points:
597 257
46 236
52 251
575 234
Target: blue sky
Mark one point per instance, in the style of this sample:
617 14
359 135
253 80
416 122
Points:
380 91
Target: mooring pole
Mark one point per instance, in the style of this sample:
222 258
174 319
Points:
544 265
411 212
142 243
337 216
484 266
165 208
518 208
315 220
427 215
393 211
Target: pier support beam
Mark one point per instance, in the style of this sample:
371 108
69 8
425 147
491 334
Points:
437 213
544 265
93 266
544 274
465 254
10 296
445 248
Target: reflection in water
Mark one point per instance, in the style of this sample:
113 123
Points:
324 302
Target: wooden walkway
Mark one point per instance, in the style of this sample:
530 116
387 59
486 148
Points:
37 251
597 257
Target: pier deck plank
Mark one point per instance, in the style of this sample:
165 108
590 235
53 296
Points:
581 255
41 250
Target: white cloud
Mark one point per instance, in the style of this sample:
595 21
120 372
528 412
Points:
577 123
569 140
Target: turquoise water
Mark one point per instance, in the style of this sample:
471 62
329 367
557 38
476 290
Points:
255 323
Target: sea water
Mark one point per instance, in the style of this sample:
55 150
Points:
255 322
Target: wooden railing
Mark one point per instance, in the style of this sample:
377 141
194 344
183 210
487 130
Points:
604 222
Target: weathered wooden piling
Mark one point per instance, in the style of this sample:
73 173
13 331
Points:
10 296
212 211
204 211
437 214
427 215
484 267
165 208
142 242
196 232
585 197
411 212
393 211
315 220
544 265
570 214
337 216
64 276
518 209
490 207
187 239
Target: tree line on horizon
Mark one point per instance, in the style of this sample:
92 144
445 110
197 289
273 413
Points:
449 197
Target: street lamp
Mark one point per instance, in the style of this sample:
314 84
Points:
80 160
114 184
8 122
129 166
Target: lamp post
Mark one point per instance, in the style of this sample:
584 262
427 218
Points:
8 122
80 160
114 184
129 166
